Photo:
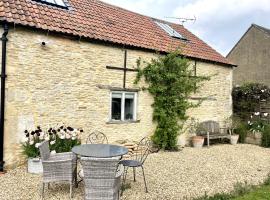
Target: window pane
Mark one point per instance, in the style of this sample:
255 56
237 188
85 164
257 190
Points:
60 2
116 106
129 106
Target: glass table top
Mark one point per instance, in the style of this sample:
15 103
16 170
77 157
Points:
99 150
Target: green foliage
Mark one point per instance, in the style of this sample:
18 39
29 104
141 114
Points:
64 145
170 81
246 98
30 149
243 192
239 190
266 135
240 128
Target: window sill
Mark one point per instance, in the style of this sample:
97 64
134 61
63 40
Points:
124 122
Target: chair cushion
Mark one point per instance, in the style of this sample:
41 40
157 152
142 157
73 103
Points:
130 163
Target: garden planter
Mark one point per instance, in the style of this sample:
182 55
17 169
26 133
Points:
234 139
34 166
197 141
254 138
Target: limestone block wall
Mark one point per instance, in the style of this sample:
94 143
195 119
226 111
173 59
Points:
66 81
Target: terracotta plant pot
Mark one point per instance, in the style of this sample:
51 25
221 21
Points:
234 139
197 141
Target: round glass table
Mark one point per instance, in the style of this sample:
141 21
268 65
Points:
99 150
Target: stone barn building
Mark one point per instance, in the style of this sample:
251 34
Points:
74 61
252 56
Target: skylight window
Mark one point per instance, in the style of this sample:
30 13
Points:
168 29
57 3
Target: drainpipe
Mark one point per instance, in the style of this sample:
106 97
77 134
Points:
3 84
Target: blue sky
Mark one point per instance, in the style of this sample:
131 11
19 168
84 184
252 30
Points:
220 23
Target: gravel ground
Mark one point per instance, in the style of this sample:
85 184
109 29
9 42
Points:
170 175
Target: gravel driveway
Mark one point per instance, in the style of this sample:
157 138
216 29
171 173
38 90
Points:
170 175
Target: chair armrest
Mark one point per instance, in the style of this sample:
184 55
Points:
53 166
119 171
63 156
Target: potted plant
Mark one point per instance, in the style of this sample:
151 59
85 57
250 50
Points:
194 129
233 123
61 139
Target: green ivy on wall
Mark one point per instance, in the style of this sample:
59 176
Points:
171 81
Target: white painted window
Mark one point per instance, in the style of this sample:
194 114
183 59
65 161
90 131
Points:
123 106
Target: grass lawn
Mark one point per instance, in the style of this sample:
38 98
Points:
261 193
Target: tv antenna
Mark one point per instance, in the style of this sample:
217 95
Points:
183 19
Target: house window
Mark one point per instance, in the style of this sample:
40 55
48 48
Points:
56 3
170 31
123 106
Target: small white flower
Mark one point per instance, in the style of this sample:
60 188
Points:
53 152
68 136
257 113
47 138
249 122
262 91
73 138
265 114
74 134
251 117
62 137
31 142
62 131
37 145
52 142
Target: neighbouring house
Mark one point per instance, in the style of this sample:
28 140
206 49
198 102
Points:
252 56
74 61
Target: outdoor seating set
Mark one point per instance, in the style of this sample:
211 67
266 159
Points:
102 166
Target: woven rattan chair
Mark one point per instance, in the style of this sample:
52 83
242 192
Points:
97 137
137 160
102 178
58 167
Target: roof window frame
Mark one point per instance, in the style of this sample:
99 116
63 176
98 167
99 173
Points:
170 31
45 2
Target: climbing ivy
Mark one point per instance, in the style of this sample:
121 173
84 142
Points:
171 81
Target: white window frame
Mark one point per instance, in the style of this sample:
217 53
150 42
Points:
123 106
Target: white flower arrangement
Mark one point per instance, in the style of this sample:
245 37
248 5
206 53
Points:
55 137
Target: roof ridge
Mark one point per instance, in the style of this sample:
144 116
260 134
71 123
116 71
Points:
137 13
100 21
264 29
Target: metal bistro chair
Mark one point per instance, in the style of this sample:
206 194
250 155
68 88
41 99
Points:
97 137
58 167
102 178
137 160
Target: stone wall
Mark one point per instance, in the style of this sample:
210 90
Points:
252 55
67 81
